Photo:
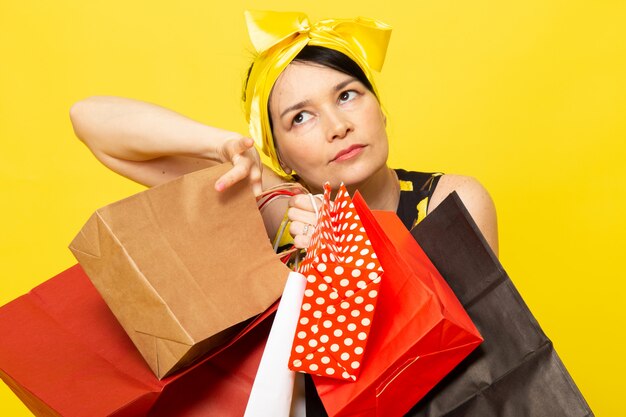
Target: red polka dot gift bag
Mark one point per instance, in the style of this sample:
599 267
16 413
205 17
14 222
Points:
343 276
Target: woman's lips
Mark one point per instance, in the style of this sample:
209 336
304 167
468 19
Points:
348 153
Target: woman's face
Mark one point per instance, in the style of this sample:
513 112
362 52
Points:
327 126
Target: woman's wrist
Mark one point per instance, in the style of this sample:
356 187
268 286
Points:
209 142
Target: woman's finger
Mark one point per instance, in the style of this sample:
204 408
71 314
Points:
236 147
305 202
246 164
301 233
300 228
301 208
237 173
255 173
301 241
304 216
256 179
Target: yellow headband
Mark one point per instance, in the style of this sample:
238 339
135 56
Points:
279 36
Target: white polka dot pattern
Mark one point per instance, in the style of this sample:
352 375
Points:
343 278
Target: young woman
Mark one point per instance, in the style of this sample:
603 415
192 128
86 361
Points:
313 109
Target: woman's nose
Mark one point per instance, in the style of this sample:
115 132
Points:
339 125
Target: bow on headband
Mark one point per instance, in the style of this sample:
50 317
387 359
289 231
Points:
370 37
279 36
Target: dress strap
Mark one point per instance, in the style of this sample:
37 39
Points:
416 188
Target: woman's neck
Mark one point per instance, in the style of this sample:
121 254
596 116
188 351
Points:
381 191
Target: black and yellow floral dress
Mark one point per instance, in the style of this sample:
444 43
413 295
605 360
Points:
416 189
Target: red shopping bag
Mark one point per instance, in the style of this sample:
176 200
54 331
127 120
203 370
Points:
64 354
419 334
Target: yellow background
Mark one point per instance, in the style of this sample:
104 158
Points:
527 96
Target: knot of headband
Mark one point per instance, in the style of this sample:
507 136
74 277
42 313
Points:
279 36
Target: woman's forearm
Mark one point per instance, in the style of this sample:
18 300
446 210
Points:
150 144
137 131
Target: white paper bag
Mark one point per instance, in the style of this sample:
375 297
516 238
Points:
273 385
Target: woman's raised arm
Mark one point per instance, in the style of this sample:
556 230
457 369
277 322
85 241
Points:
151 145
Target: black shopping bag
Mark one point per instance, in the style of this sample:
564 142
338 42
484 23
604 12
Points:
515 371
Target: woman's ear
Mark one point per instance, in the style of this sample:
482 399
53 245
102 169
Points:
285 167
282 164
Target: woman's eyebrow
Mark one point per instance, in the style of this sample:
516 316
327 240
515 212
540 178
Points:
338 87
342 84
296 106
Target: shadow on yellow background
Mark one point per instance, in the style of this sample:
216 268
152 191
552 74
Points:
528 97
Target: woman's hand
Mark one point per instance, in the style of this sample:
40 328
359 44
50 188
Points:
246 164
303 217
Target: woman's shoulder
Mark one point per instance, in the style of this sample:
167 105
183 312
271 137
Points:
476 199
466 186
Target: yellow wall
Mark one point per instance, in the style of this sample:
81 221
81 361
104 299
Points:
528 96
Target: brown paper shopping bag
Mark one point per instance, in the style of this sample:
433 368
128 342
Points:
181 266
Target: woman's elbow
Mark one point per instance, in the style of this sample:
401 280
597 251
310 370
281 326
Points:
83 116
78 113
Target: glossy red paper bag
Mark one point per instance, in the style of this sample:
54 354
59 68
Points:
64 354
420 332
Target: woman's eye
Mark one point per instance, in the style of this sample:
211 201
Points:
301 117
347 95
